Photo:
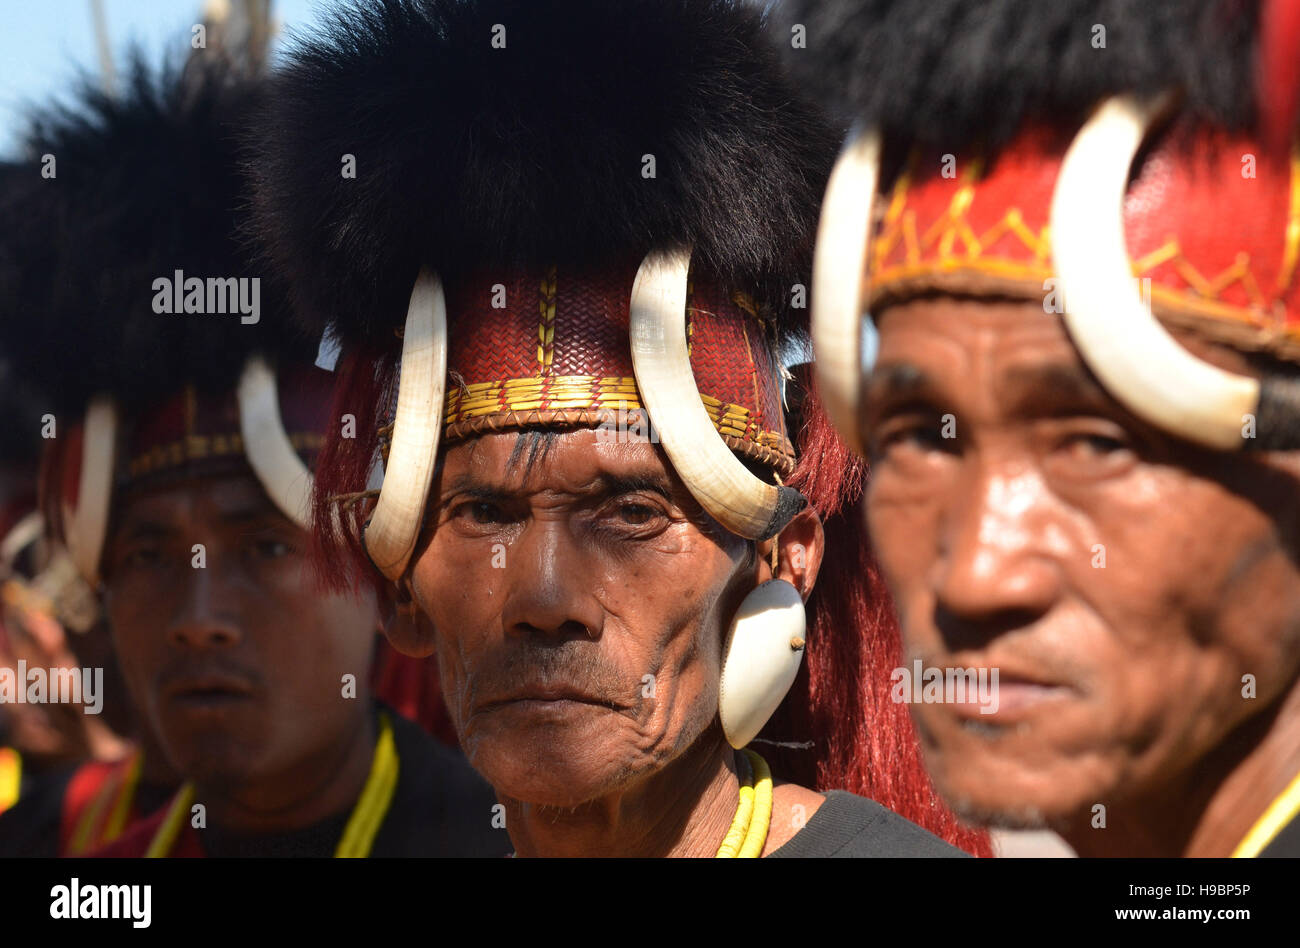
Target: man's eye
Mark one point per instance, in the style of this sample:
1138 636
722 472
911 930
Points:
1091 454
143 557
926 436
482 512
1089 446
272 549
636 515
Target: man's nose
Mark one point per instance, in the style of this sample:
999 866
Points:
550 587
995 571
207 614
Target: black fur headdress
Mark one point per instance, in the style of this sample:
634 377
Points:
505 132
19 443
134 189
947 72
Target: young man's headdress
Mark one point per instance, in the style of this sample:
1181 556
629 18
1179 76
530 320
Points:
127 300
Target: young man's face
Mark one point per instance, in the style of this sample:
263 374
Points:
1122 582
237 664
580 604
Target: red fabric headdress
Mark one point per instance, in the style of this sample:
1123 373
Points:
1212 220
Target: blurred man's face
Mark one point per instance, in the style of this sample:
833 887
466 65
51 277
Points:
580 604
1122 582
238 665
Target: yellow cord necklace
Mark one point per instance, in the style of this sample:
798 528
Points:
116 794
362 826
1279 813
749 828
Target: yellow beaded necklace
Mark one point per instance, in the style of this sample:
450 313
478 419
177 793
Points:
748 830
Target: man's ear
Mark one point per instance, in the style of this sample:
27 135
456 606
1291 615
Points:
800 547
407 628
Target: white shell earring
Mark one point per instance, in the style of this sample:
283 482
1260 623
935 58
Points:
761 657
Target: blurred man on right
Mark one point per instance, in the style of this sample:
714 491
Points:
1076 227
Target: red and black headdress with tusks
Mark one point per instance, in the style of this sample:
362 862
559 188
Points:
610 204
1100 140
563 190
112 196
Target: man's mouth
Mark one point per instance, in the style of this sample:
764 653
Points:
1019 698
548 697
1009 692
210 692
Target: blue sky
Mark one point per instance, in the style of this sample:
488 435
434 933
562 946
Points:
44 42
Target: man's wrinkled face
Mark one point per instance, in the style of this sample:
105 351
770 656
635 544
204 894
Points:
580 598
238 664
1122 582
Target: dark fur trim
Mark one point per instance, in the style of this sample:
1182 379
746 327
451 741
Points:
22 409
947 72
19 442
470 156
146 184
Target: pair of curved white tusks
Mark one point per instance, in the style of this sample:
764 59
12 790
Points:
1132 355
839 281
716 478
394 527
266 443
86 525
1119 338
733 496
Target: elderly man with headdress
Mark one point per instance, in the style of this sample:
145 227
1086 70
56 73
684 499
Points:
187 420
559 245
1076 227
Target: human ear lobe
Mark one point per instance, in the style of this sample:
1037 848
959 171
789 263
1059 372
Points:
408 629
801 545
765 643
